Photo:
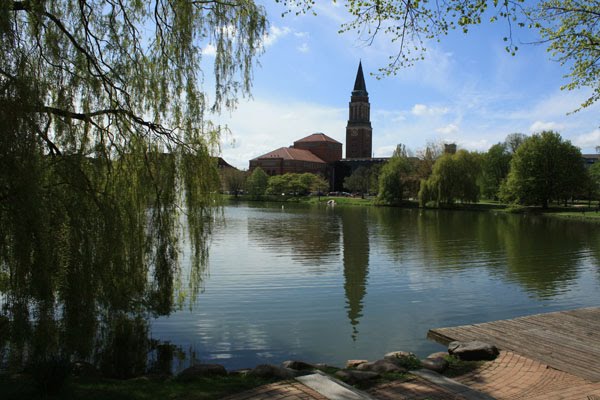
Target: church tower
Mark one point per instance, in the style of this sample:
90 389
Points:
358 131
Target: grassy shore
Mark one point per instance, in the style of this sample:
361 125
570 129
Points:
23 387
579 212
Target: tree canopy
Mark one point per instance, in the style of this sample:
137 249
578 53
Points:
454 177
105 159
394 177
257 182
544 168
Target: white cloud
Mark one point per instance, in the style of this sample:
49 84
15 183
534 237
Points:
539 126
423 110
385 151
274 34
303 48
262 125
448 129
588 140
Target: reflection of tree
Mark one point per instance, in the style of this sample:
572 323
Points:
311 234
540 254
356 261
397 230
538 258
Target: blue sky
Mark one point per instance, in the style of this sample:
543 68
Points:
469 90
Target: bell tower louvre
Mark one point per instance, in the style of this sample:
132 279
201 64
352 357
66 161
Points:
359 130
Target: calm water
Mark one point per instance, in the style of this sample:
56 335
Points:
330 284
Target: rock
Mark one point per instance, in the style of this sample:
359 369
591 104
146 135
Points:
355 363
353 376
473 351
439 354
437 364
201 370
403 359
297 365
322 366
268 371
381 367
240 372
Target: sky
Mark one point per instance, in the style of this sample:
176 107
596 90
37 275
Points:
467 91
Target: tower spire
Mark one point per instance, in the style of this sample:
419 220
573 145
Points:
358 131
360 88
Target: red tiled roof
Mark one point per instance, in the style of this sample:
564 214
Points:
317 137
290 153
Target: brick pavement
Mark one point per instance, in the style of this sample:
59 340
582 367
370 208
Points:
413 389
284 390
509 377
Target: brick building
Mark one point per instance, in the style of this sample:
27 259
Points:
314 154
320 154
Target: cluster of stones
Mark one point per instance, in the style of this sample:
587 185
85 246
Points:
356 371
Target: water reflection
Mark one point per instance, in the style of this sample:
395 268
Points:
292 282
311 235
356 262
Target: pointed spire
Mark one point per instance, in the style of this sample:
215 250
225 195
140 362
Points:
360 89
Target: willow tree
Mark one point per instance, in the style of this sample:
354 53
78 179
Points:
105 157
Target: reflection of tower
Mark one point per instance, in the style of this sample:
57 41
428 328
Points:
356 262
358 130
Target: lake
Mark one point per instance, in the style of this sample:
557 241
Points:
328 284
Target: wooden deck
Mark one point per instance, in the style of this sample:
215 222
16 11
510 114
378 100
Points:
568 340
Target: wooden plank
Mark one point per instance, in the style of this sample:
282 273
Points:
565 340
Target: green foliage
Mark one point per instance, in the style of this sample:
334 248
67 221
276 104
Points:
454 177
495 166
427 158
50 374
393 179
295 184
319 184
570 28
458 367
594 178
513 141
544 168
257 182
233 180
360 181
19 387
106 160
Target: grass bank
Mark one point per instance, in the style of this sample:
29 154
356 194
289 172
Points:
578 212
23 387
339 200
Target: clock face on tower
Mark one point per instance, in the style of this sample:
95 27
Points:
354 133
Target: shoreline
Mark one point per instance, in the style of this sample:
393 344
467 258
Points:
577 212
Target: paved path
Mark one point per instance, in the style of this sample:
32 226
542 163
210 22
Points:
565 340
512 376
285 390
509 377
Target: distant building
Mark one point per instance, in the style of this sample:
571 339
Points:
321 145
590 159
312 154
320 154
450 148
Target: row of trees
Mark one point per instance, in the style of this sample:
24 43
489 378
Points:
521 170
258 183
